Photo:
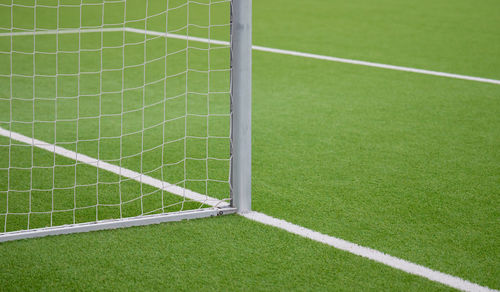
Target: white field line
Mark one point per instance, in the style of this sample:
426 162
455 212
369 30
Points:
265 49
188 194
377 65
372 254
338 243
60 31
177 36
377 256
321 57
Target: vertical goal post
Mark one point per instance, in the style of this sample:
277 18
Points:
241 113
24 181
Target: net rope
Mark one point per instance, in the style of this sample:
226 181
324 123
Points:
100 79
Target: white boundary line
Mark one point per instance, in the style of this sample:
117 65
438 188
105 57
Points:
372 254
60 31
174 189
264 49
375 255
321 57
377 65
177 36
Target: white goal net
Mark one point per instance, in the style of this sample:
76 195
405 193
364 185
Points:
113 109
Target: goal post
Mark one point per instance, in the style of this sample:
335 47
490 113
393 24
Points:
241 80
118 113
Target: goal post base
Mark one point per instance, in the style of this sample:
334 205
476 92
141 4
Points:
117 223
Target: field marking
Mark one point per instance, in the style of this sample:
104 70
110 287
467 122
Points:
372 254
142 178
265 49
366 252
177 36
322 57
377 65
60 31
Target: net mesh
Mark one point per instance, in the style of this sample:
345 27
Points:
112 109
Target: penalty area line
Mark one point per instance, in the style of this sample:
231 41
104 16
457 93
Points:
372 254
262 49
377 65
322 57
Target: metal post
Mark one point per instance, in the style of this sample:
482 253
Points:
241 104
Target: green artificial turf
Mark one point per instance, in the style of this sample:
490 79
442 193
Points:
404 163
452 36
225 253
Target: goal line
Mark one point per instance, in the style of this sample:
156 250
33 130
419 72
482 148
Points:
218 207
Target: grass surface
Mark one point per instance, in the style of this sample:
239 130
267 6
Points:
226 253
451 36
407 164
396 162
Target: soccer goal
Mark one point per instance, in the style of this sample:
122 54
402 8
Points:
117 113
